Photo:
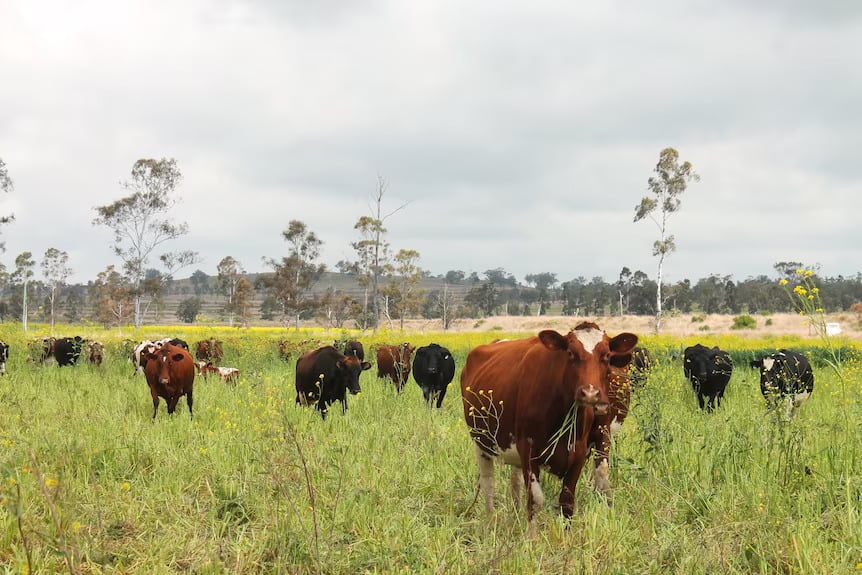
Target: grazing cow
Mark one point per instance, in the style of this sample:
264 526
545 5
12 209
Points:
170 372
433 370
785 377
393 362
325 375
531 402
41 349
709 370
620 383
95 352
209 350
285 349
67 350
226 374
640 367
350 347
4 355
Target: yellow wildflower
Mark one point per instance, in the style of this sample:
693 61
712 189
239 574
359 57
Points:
11 481
76 526
125 486
783 282
50 482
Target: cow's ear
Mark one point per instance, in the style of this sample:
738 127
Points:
553 340
620 359
365 365
623 343
177 357
340 364
756 363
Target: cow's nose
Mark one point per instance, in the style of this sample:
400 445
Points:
589 395
164 381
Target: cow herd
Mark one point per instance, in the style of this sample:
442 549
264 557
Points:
326 374
542 402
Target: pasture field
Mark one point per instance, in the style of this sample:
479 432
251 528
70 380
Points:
89 483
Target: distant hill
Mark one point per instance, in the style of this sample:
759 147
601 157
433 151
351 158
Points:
213 302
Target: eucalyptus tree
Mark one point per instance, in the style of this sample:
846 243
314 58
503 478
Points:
243 300
296 274
404 278
372 250
230 272
24 265
544 283
6 186
56 271
666 186
111 298
140 225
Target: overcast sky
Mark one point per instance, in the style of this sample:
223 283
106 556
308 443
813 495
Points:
522 134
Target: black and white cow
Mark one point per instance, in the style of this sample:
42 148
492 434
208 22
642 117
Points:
433 370
4 355
785 377
708 370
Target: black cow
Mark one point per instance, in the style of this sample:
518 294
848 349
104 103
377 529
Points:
351 347
4 355
324 376
433 369
785 376
709 371
173 341
67 350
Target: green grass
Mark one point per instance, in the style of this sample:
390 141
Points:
393 483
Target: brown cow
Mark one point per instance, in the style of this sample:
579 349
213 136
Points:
531 403
170 373
209 350
96 352
325 375
394 361
605 425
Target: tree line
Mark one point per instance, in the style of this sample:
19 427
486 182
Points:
378 284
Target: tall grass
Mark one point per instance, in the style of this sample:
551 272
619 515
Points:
255 484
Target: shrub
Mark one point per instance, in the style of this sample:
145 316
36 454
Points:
697 318
744 321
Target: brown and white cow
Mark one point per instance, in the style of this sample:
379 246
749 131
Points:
140 354
170 372
531 403
394 362
226 374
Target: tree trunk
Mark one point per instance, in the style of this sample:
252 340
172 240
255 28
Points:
658 295
24 308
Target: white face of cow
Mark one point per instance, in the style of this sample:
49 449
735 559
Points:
768 362
589 338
